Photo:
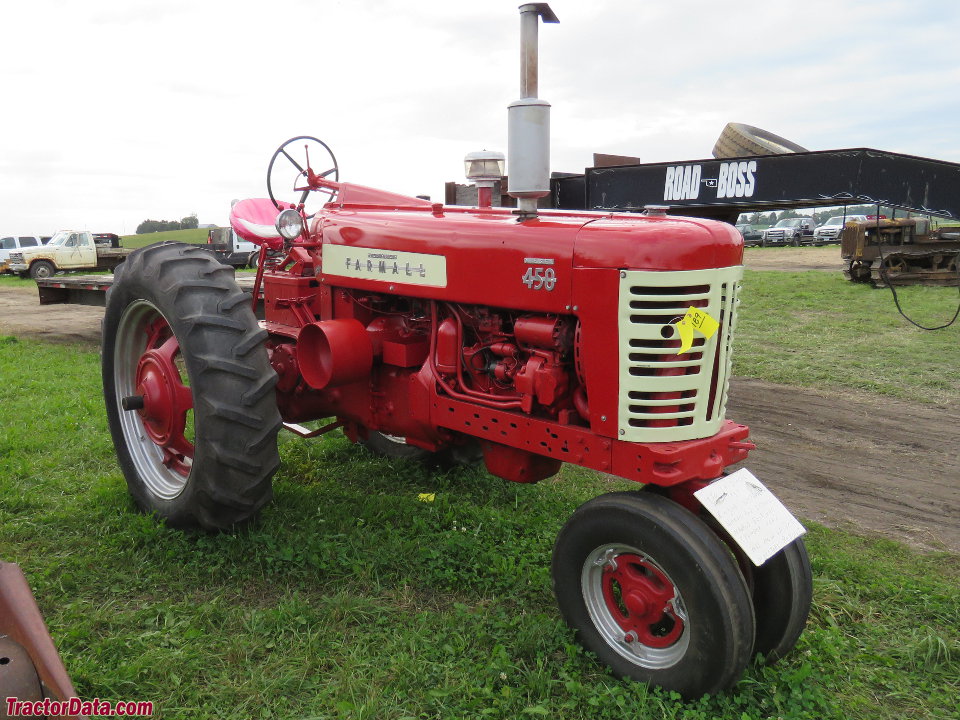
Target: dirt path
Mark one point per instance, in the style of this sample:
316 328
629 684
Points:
22 314
794 259
855 461
848 460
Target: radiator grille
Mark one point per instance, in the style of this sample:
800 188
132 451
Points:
665 396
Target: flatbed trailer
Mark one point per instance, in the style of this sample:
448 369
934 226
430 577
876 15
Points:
92 289
74 289
109 258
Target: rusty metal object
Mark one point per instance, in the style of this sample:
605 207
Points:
18 676
901 251
26 643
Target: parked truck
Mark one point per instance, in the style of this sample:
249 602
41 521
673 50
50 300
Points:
67 250
231 249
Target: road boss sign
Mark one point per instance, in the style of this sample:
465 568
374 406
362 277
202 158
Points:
734 179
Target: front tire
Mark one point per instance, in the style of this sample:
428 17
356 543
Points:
782 594
42 269
781 588
184 353
654 594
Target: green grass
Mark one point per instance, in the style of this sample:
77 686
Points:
7 280
349 598
197 235
815 329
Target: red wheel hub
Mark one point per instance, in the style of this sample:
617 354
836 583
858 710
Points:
640 598
166 400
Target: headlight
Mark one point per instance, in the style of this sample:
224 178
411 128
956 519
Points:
290 224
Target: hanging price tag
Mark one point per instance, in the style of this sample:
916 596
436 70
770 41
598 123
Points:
695 319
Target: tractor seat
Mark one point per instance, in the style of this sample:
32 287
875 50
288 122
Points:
254 220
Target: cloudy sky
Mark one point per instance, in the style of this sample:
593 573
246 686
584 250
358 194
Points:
118 111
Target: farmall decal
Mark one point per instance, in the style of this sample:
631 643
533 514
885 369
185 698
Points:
392 266
735 179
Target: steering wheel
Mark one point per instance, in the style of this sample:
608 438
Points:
305 180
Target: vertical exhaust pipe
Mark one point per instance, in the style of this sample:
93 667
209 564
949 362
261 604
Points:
528 120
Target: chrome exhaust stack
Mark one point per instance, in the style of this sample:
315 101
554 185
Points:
528 120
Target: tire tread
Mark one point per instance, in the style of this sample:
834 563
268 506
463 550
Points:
222 346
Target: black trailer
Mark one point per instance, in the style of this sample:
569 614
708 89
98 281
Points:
722 189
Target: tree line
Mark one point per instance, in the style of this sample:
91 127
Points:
190 222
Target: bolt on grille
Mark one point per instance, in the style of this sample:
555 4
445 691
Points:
665 396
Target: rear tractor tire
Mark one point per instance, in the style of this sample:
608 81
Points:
654 593
189 389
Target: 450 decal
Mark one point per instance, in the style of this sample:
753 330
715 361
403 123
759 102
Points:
538 277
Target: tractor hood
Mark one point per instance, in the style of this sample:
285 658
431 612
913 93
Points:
374 240
632 242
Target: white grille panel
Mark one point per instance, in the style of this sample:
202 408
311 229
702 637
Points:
665 396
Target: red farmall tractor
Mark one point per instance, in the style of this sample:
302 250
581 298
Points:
538 337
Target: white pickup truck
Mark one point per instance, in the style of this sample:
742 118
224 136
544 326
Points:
231 249
67 250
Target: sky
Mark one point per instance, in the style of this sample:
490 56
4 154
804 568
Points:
116 111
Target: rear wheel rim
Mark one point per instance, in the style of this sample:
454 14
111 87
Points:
635 606
156 436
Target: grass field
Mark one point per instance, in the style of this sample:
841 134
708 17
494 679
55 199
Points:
814 329
198 235
349 598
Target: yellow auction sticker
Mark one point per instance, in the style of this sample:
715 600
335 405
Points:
695 319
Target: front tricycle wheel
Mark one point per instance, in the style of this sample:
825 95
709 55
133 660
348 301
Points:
653 593
188 388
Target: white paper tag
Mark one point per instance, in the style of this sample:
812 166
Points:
754 517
